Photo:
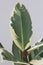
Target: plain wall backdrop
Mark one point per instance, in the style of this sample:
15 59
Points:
35 8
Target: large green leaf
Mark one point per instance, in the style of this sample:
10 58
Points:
37 51
5 54
21 26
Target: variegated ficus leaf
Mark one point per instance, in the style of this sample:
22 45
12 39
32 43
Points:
21 26
5 55
36 52
21 31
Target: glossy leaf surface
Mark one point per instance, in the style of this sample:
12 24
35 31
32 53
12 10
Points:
21 26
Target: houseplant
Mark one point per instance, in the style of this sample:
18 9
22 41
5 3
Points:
21 32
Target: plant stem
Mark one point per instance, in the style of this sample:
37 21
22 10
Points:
24 56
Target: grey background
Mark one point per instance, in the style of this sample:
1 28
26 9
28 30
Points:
35 8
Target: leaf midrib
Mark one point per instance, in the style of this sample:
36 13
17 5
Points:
22 32
22 41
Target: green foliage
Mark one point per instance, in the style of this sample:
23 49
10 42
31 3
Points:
21 31
21 25
38 52
16 52
5 54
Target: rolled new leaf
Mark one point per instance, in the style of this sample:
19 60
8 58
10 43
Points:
21 27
